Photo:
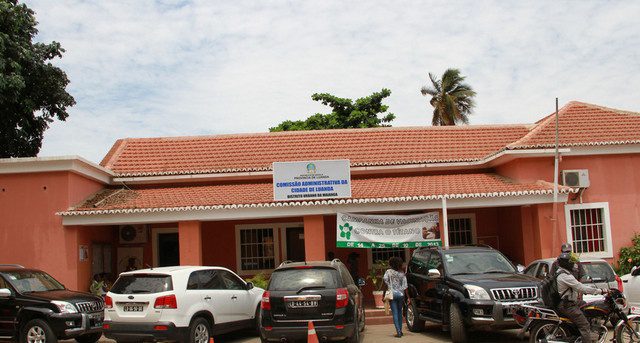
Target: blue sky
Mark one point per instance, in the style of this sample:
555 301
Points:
154 68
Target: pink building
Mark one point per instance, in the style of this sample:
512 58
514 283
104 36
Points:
209 199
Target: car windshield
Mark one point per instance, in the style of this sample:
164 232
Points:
27 281
142 283
477 263
301 279
597 272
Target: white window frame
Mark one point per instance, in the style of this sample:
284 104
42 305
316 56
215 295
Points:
276 247
472 218
606 220
283 233
155 232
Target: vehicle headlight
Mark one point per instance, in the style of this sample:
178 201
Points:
476 292
64 306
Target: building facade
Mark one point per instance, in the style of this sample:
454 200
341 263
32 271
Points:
208 200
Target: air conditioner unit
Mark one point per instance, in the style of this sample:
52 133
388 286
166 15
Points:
132 234
578 178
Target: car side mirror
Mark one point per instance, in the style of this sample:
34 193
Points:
635 271
249 285
5 293
361 282
520 268
434 273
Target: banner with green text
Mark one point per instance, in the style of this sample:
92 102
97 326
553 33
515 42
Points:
388 231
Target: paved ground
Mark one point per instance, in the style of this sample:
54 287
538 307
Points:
384 333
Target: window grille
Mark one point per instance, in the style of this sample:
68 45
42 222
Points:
384 254
257 249
460 231
588 230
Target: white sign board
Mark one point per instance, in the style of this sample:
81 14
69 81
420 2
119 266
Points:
311 180
388 231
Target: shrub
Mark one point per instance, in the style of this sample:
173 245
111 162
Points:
376 273
259 280
629 256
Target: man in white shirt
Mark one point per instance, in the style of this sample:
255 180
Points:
570 288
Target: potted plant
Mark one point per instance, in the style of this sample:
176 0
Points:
375 275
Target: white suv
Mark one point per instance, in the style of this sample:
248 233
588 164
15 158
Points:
184 304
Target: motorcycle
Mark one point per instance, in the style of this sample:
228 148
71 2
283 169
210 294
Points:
544 325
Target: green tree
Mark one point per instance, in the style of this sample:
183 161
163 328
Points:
346 114
32 90
452 100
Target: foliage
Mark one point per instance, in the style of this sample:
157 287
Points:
346 114
452 100
96 287
259 280
629 256
376 273
32 90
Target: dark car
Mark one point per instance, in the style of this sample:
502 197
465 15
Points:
465 288
322 292
34 307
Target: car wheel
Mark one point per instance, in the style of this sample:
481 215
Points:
199 331
90 338
414 323
363 319
456 322
37 331
355 338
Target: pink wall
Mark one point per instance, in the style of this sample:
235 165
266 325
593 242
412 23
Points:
31 233
614 179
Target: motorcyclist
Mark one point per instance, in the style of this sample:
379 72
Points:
569 288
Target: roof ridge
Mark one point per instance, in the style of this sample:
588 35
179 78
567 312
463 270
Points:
541 124
603 107
319 132
109 159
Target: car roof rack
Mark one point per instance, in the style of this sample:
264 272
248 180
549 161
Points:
12 265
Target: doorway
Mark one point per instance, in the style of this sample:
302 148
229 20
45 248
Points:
166 247
295 244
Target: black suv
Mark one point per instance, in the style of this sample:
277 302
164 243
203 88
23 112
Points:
464 288
322 292
34 307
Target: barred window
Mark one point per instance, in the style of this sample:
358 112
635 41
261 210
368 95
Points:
460 230
384 254
257 249
588 228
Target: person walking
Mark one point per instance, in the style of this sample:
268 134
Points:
396 283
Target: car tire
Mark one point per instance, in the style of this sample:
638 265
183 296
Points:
363 319
355 338
456 323
89 338
37 328
414 323
199 331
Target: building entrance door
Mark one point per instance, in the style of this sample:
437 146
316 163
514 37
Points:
168 249
295 244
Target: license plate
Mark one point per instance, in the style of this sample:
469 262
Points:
132 308
303 304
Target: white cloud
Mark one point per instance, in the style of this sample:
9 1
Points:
147 68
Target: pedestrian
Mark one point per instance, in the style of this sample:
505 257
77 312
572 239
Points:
396 282
352 264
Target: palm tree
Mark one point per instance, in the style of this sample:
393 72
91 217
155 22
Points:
452 100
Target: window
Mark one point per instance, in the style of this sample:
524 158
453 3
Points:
461 229
531 270
384 254
589 229
257 248
230 281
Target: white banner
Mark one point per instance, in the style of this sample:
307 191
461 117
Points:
388 231
311 180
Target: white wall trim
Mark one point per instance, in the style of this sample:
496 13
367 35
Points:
75 164
604 150
154 217
276 246
154 241
607 230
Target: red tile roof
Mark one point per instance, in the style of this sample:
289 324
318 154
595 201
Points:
256 152
260 194
582 124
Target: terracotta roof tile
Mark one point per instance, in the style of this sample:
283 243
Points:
582 124
255 152
370 189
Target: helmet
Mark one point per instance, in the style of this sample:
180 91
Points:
567 260
566 247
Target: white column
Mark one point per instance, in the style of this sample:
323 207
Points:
445 222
